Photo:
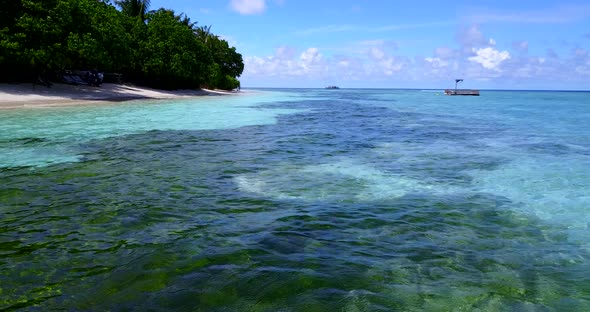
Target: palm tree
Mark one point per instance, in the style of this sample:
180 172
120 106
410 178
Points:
138 8
185 20
203 32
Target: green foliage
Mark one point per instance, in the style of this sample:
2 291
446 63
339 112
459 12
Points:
228 83
174 58
159 48
134 8
229 60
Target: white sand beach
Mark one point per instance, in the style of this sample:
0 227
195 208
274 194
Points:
29 95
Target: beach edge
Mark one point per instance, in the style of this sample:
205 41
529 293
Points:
27 95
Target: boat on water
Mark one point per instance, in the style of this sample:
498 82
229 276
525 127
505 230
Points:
461 91
332 87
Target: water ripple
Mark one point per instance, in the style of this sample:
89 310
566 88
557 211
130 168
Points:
352 203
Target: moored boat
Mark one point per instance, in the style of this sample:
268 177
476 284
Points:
461 91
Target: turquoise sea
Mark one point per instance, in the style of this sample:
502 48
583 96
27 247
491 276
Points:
299 200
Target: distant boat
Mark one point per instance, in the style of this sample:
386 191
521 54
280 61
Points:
461 91
332 87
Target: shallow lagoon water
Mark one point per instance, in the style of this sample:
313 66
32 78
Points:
299 200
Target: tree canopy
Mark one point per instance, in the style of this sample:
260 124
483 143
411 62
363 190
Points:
136 8
159 48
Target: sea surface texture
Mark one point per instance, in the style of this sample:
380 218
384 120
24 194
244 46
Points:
299 200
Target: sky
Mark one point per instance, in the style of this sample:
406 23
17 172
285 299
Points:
516 44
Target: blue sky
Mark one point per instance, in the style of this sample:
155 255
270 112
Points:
403 44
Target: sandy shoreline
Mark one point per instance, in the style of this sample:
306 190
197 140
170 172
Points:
27 95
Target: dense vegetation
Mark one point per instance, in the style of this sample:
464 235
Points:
158 48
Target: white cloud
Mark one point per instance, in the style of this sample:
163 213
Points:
312 67
489 58
487 67
248 7
376 63
472 37
436 62
377 53
390 66
310 59
284 64
285 53
581 61
385 64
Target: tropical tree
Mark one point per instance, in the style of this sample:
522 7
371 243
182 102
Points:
230 61
203 33
185 20
174 58
134 8
40 38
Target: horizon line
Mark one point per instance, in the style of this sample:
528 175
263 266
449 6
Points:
429 89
